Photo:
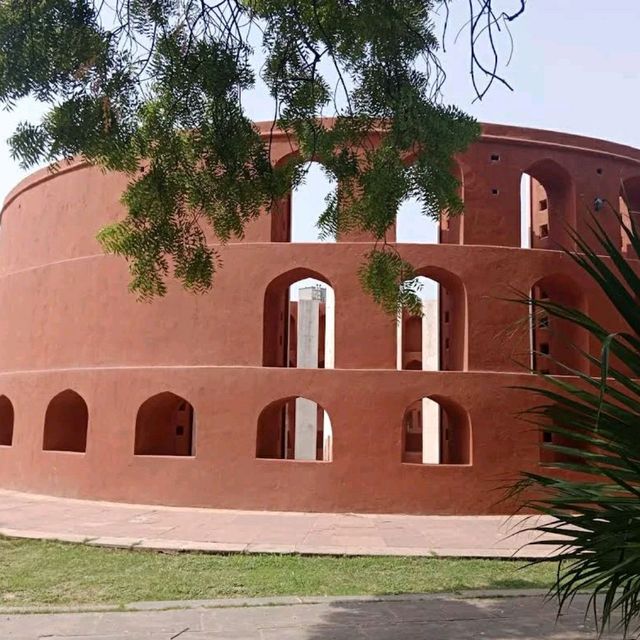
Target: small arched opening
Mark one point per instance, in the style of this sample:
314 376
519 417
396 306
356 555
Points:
165 426
547 206
295 218
299 321
437 340
436 430
294 428
66 422
6 422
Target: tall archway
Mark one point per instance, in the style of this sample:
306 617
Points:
165 426
413 226
437 340
295 218
547 205
629 207
294 428
299 321
436 430
556 342
6 422
66 422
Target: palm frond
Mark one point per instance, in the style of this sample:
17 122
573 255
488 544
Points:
591 489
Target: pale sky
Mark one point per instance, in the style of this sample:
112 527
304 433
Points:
575 68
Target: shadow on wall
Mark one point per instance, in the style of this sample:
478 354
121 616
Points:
164 426
547 206
65 423
6 422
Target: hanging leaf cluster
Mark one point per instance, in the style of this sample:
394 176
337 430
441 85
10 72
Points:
154 89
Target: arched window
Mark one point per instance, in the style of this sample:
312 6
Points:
6 422
437 340
554 341
294 428
629 207
65 423
296 217
414 227
299 321
547 205
165 426
436 430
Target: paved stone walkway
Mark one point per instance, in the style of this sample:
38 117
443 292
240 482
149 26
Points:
401 618
174 528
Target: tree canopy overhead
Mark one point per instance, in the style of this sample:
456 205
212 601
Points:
159 84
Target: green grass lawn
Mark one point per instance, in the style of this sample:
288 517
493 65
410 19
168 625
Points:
48 573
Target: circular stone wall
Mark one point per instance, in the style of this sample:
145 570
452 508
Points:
102 389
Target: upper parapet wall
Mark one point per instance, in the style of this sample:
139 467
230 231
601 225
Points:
57 215
499 133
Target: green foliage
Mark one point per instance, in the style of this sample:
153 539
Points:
595 510
391 282
154 88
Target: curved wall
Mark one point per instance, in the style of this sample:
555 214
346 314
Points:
70 323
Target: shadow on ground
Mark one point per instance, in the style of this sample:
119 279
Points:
524 618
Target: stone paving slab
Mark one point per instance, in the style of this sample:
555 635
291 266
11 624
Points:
401 618
216 531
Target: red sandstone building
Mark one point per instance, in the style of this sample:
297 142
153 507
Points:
194 400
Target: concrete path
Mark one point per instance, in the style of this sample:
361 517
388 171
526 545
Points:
401 618
174 528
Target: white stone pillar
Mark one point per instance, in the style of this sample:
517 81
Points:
430 362
399 341
329 329
327 438
430 335
309 301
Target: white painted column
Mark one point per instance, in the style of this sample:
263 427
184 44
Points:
327 438
329 363
430 362
307 358
329 329
399 350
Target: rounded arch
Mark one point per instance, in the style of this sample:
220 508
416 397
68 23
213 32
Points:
281 209
442 330
294 428
412 226
554 341
630 193
629 208
279 319
551 205
66 422
6 422
436 430
294 217
165 426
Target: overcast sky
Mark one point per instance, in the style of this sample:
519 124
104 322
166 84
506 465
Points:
575 68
